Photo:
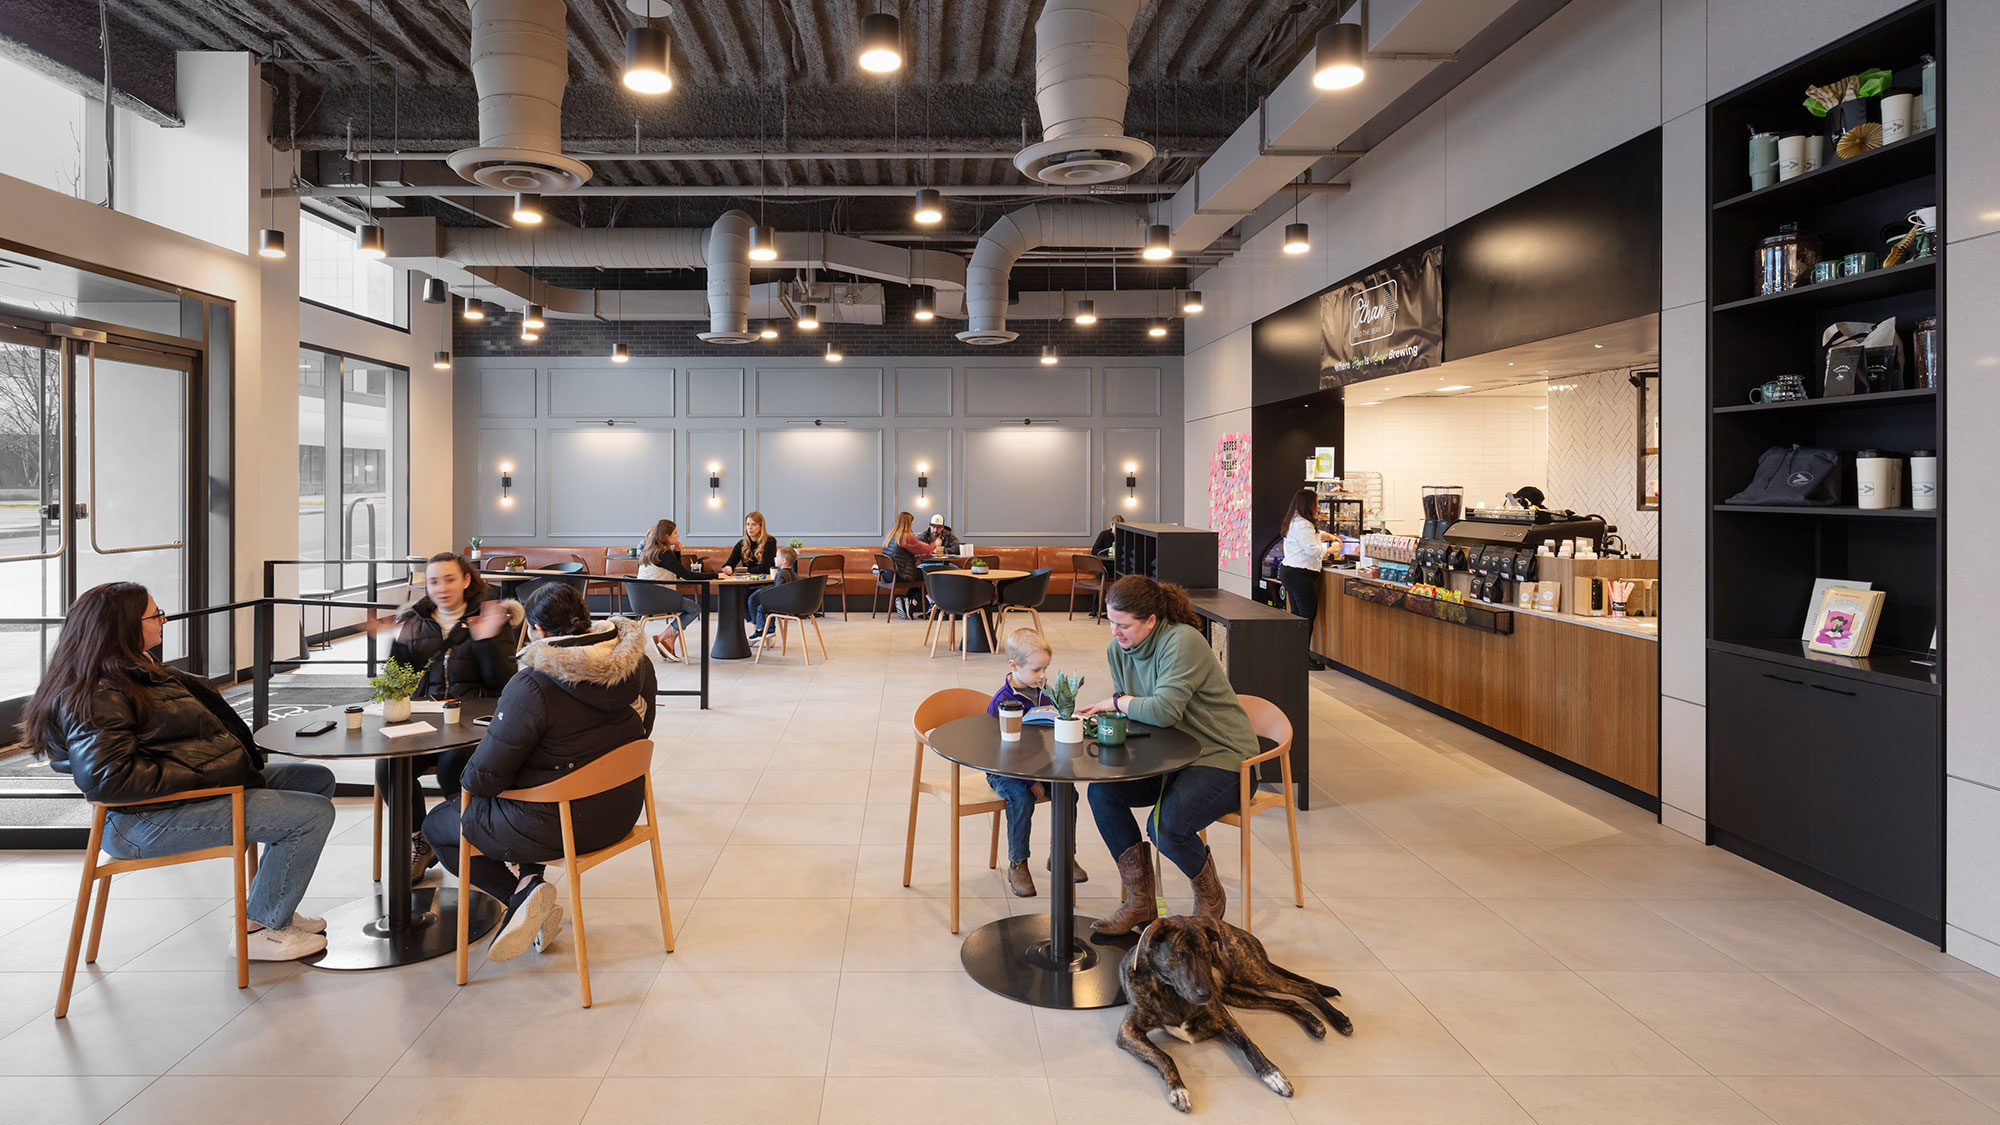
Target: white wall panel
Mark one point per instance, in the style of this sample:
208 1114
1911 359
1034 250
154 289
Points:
715 392
1200 436
722 515
609 392
1027 481
605 482
1131 392
829 391
506 392
1746 38
1684 756
821 481
1683 56
924 447
1023 392
1217 376
1683 503
923 392
1971 95
1140 449
1684 210
1972 878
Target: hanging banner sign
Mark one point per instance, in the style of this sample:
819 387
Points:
1384 322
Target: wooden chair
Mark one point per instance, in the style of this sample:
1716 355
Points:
834 564
966 796
632 760
100 872
792 602
1086 573
1271 723
953 597
885 579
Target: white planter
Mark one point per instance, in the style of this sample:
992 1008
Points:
396 711
1069 730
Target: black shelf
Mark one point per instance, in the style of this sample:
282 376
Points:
1905 160
1846 511
1922 396
1889 667
1909 277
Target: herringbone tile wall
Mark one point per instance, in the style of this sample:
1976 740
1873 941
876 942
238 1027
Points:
1593 457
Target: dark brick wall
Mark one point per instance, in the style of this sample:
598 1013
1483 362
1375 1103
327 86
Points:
898 335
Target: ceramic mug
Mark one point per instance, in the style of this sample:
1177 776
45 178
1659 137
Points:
1828 270
1766 393
1858 263
1110 728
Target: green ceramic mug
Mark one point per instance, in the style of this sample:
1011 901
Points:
1111 729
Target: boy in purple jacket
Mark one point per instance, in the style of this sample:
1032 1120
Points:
1028 656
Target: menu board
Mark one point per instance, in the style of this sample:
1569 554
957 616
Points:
1384 322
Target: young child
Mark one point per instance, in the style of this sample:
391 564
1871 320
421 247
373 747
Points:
1028 655
785 569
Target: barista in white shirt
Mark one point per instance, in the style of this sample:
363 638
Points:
1305 555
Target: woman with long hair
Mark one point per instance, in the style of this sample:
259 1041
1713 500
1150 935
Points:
659 561
460 636
756 552
903 548
1164 674
584 690
1304 559
128 728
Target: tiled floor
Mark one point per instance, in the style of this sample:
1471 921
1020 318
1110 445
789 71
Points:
1514 946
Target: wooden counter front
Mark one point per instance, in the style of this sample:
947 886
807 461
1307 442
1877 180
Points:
1591 696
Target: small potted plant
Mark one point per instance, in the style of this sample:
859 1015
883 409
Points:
979 567
1061 690
393 689
474 553
795 544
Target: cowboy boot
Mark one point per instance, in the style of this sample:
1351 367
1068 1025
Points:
1019 881
1209 901
1135 871
1076 872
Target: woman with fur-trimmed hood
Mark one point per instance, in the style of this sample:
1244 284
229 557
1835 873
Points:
581 693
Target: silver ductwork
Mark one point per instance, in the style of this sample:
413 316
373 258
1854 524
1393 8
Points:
1016 233
520 64
729 280
609 247
1082 77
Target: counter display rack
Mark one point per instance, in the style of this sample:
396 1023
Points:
1827 771
1472 615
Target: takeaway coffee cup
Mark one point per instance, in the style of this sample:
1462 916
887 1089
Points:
1791 156
354 717
452 712
1011 714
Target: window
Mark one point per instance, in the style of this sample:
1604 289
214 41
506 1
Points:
353 473
334 274
48 132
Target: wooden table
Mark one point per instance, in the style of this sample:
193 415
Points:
1036 958
975 632
404 924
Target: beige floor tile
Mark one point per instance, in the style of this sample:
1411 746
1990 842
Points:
528 1024
812 751
624 936
131 927
1985 1089
140 1023
730 1025
879 872
1779 936
1433 818
761 934
476 1101
1930 1019
930 1024
1140 1099
825 871
1675 872
1741 1023
1326 824
1405 1101
706 751
1385 871
18 912
1393 1035
1504 871
1306 939
1439 933
68 1100
250 1101
1862 1101
1632 1101
326 1024
715 787
705 1101
811 787
1900 942
696 823
912 934
29 996
963 1101
799 824
1610 934
1543 1024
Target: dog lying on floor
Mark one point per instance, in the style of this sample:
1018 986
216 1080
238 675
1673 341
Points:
1180 976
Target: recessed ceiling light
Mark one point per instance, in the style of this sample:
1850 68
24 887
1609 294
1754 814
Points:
1542 407
1597 345
1456 387
1371 403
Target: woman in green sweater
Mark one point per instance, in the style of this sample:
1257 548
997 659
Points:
1163 675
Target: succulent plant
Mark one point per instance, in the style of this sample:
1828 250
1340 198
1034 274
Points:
1061 690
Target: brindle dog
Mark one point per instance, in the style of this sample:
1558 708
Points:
1180 976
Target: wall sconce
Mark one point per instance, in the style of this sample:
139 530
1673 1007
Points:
1131 485
714 486
506 485
923 486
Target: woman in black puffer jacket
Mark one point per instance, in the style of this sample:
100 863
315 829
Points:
461 636
579 695
128 728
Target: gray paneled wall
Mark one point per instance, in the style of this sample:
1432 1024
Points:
829 454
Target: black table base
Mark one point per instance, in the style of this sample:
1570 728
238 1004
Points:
730 640
975 633
1015 958
358 935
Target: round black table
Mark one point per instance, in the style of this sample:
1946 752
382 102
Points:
403 924
510 581
1037 958
732 596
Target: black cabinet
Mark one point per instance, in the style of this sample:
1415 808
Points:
1167 552
1831 780
1263 651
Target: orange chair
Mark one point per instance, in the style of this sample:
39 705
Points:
632 760
100 872
1271 723
967 797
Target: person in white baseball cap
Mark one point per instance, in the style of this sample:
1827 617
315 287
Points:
940 535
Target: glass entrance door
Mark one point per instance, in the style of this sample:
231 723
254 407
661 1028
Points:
33 546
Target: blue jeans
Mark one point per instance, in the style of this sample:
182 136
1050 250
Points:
292 817
1021 812
1192 800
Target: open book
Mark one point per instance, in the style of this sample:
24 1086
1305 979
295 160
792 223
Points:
1045 716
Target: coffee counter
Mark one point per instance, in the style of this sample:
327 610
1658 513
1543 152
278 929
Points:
1585 690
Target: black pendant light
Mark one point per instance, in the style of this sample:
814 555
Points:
930 206
473 309
527 208
271 240
1340 51
1297 239
647 66
1157 246
435 291
1191 302
881 43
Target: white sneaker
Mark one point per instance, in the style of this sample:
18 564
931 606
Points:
288 944
302 922
545 938
523 923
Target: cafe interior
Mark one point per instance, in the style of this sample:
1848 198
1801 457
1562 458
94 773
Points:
807 561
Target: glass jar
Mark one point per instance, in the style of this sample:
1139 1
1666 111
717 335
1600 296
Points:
1786 259
1926 358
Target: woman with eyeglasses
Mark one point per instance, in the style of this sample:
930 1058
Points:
128 728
